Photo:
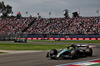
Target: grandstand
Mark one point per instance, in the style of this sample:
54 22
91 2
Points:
10 27
73 26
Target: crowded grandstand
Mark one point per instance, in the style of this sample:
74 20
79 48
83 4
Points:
82 25
73 26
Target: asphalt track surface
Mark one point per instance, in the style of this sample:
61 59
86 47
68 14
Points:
39 58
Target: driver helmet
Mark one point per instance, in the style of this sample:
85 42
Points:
73 45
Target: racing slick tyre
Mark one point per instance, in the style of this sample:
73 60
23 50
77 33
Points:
25 40
53 54
74 54
15 41
89 52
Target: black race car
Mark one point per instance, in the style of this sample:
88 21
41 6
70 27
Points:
74 51
21 40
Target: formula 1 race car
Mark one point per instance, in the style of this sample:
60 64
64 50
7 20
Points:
74 51
21 40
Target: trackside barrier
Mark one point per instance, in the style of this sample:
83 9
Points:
74 38
68 38
63 38
98 38
45 38
93 38
34 38
50 38
39 38
56 38
80 38
29 39
87 38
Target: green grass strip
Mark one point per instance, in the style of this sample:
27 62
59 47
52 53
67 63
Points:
23 46
95 65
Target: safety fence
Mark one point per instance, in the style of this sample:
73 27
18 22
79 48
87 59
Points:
49 37
63 38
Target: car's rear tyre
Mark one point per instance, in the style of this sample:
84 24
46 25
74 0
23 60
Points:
15 41
89 52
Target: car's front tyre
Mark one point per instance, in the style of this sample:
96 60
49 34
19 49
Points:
53 53
74 54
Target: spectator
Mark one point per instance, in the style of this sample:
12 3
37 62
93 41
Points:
82 25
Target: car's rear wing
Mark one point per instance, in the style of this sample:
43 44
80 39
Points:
82 45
